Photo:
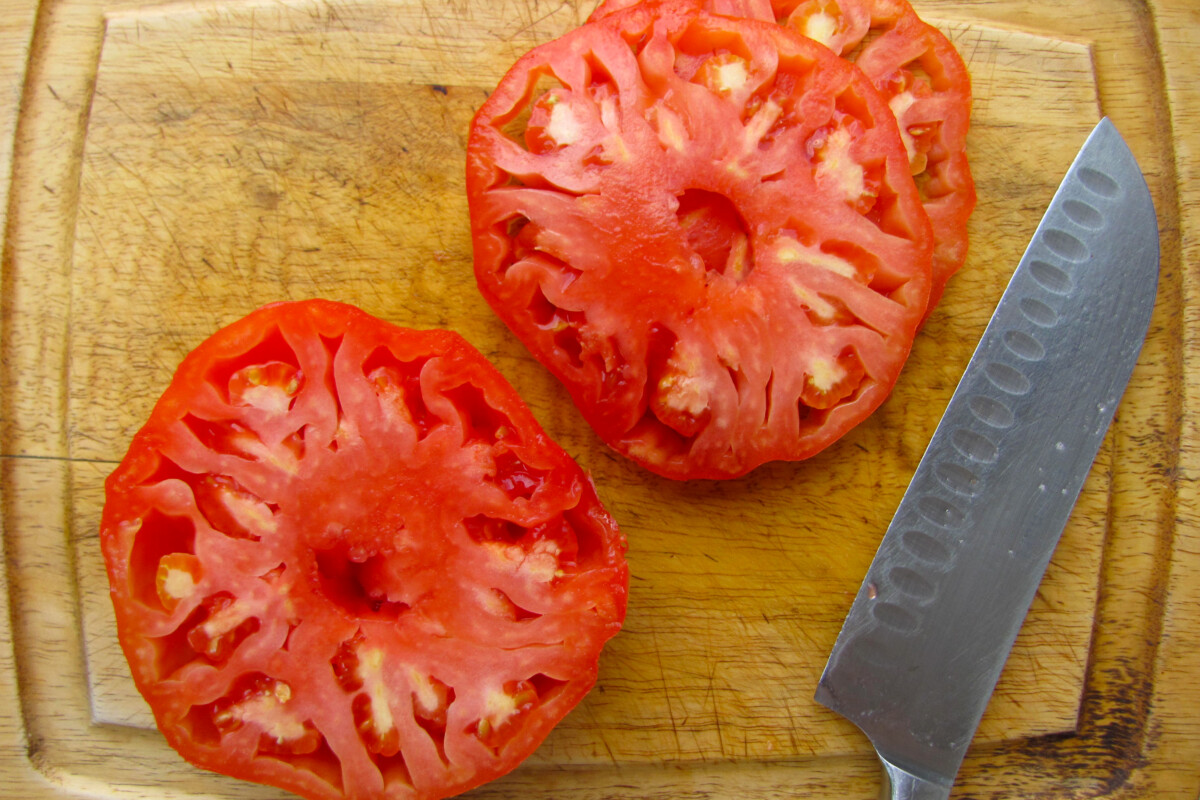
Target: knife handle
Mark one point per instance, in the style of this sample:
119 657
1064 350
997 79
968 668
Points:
900 784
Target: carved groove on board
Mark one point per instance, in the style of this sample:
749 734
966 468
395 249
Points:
676 693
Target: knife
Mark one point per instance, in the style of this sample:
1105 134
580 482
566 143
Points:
932 625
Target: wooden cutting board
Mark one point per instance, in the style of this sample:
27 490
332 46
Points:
177 165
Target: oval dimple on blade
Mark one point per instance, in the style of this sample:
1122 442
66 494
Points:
869 650
941 512
1083 214
926 548
1099 183
896 617
1051 278
1024 345
1065 245
1007 378
912 583
991 411
957 478
1038 312
974 446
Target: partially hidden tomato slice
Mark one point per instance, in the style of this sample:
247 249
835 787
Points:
922 77
706 228
346 561
929 90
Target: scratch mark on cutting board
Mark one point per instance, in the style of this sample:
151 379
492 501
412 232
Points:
531 24
600 730
666 692
716 711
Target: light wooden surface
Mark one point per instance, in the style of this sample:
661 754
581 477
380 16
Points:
178 165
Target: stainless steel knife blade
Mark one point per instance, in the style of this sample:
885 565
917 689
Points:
932 625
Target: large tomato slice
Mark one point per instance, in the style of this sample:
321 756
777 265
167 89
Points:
346 560
922 77
705 227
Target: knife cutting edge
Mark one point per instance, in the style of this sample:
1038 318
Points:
925 640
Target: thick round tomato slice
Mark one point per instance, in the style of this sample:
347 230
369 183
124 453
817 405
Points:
705 227
346 560
920 74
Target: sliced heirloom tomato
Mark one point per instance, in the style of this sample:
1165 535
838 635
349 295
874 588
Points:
346 560
921 75
705 227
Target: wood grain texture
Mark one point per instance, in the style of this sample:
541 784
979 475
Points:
1176 736
19 776
16 35
180 164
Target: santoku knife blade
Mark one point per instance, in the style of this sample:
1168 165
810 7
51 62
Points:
932 625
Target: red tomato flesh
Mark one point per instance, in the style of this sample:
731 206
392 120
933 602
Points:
346 560
920 74
706 228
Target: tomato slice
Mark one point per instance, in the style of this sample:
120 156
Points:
921 76
346 560
705 227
